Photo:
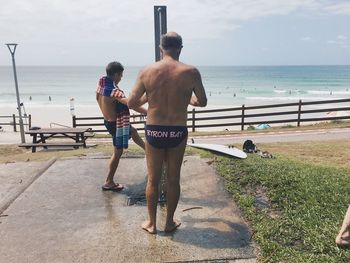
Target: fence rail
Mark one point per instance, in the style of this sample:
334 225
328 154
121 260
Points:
297 112
13 120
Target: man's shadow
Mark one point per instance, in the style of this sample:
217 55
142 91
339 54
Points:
222 234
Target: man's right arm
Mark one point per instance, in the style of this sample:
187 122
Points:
137 96
122 100
200 98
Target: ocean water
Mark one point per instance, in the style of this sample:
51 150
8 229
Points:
225 86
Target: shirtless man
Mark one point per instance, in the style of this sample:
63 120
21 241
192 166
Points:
113 105
169 85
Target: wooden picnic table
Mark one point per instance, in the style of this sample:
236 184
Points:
78 135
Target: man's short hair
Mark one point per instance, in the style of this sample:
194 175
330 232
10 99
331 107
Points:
171 42
114 67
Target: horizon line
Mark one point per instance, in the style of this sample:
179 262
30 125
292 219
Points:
247 65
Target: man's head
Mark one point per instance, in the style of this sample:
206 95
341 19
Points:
114 70
171 43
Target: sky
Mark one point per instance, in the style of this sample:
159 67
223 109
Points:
215 32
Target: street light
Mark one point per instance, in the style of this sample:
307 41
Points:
12 48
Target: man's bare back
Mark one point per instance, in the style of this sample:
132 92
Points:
168 85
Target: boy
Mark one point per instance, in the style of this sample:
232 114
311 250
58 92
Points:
113 104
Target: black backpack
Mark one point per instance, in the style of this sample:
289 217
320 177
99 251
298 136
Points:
249 146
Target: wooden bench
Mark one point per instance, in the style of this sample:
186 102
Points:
75 145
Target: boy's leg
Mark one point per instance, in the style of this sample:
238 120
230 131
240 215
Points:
113 165
136 138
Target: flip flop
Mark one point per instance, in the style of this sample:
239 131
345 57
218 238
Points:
114 188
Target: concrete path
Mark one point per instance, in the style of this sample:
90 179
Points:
63 216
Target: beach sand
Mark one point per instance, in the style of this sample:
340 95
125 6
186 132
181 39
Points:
60 116
52 115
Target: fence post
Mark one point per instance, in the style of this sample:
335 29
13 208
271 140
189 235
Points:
14 122
299 113
29 121
242 121
193 120
74 121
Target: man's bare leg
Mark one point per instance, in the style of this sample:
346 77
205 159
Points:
174 158
343 237
136 138
154 164
113 165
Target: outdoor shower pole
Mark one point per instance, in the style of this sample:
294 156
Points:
12 51
160 28
160 24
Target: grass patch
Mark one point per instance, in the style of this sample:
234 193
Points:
325 153
295 207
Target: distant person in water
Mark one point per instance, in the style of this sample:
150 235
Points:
343 237
169 86
113 104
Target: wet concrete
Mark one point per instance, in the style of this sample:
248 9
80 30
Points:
16 177
63 216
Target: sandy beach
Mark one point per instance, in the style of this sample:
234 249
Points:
53 116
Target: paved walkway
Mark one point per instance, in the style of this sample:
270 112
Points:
56 212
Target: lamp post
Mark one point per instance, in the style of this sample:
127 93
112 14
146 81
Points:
12 48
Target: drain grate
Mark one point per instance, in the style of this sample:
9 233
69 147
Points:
136 200
141 200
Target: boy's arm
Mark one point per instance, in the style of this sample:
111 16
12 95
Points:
194 101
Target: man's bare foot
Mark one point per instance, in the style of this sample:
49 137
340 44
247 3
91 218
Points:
343 239
149 227
171 227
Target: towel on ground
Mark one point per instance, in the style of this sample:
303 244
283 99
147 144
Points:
106 88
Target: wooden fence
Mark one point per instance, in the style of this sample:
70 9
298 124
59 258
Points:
13 121
287 113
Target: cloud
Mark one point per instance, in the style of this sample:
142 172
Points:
80 27
125 21
341 37
340 41
306 38
339 8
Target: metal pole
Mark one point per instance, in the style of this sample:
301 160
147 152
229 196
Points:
160 28
14 46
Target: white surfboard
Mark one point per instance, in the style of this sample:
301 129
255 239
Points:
232 151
